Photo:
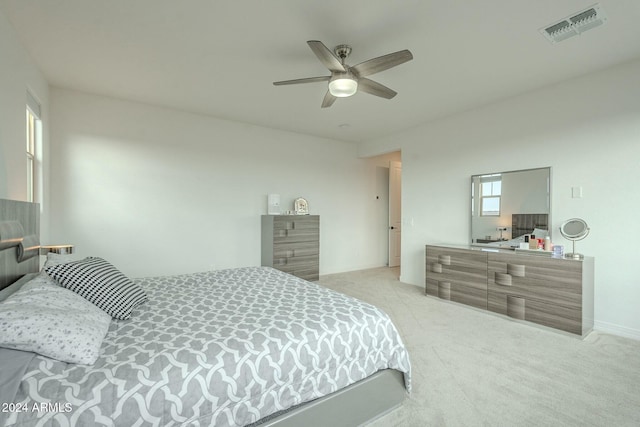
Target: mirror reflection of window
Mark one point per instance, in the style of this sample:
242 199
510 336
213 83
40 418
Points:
473 198
490 194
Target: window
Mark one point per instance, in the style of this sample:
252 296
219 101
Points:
34 135
31 154
490 193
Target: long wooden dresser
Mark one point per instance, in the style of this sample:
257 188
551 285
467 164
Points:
553 292
291 243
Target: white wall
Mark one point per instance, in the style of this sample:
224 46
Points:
18 74
586 129
158 191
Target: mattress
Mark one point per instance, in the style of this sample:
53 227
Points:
223 348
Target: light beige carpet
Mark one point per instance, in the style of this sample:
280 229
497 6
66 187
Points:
472 368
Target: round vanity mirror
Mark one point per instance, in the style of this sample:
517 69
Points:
574 229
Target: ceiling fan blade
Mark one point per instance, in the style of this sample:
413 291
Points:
375 88
382 63
328 100
325 56
307 80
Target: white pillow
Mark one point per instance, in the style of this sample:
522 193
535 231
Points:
55 259
540 233
47 319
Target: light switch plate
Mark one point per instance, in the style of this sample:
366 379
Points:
576 192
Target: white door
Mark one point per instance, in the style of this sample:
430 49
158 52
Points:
395 214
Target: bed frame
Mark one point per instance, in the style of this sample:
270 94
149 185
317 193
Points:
524 223
28 215
354 405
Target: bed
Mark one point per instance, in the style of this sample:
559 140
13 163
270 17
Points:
524 224
246 346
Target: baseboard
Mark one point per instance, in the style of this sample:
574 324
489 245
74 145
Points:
406 280
618 330
351 269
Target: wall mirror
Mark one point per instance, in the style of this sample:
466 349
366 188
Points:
505 206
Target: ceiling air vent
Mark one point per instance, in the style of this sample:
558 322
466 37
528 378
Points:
575 24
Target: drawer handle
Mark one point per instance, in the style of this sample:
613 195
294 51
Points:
444 259
516 270
503 279
282 261
436 267
515 307
444 290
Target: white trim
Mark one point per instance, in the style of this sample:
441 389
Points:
618 330
34 105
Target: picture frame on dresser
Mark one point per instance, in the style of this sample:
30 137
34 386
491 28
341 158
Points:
301 206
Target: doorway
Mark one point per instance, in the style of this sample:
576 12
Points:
395 213
388 212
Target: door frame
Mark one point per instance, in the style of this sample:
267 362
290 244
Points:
395 213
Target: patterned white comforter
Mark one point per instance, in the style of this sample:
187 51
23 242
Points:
222 348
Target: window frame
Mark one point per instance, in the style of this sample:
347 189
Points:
490 179
33 145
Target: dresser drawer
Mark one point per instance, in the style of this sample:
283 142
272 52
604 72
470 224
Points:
296 229
302 270
464 267
297 235
296 223
293 249
549 280
457 260
296 262
541 312
459 292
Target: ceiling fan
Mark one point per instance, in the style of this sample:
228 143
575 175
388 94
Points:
344 80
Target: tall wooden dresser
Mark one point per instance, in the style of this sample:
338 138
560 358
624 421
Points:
291 243
553 292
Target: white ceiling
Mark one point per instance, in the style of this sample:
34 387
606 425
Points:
220 57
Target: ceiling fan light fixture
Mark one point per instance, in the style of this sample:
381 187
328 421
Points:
343 86
344 80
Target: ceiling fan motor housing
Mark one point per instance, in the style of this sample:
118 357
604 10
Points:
342 51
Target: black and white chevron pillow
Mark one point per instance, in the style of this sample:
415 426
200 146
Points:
101 283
